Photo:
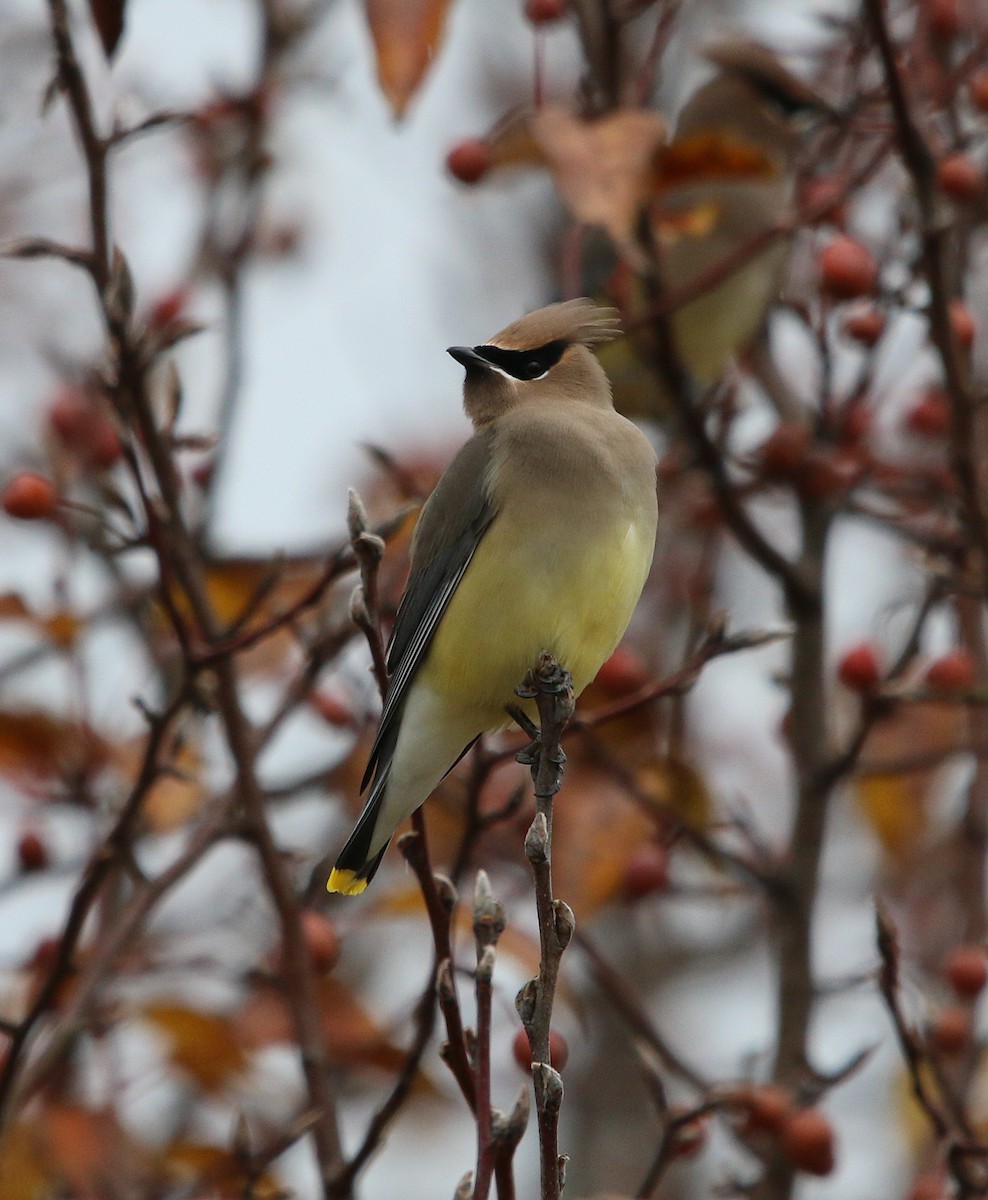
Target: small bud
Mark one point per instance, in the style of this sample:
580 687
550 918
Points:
517 1122
356 514
29 497
120 289
445 988
565 922
525 1002
488 913
464 1189
551 1083
469 160
369 546
485 965
537 840
446 891
847 269
562 1162
359 614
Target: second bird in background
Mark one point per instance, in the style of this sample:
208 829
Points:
538 537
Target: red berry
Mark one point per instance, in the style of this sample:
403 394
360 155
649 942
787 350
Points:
855 425
808 1140
966 970
783 453
952 1030
541 12
962 324
944 17
959 177
332 709
847 269
29 497
954 672
32 852
80 425
766 1108
623 672
558 1050
824 196
829 474
927 1187
168 308
645 872
930 415
859 669
978 86
469 160
321 938
866 326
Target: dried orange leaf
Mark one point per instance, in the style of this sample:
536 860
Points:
27 1172
602 168
222 1172
594 834
203 1045
406 35
916 738
35 743
352 1036
95 1157
13 607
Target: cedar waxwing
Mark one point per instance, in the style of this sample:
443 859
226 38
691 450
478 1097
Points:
538 537
727 177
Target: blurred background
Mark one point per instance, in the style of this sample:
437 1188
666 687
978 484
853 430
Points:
312 202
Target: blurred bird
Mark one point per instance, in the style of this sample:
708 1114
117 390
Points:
727 177
538 537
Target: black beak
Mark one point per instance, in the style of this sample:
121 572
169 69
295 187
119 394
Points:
467 357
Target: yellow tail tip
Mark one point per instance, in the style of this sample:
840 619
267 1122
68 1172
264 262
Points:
346 882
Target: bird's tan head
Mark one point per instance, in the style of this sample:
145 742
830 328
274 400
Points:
754 97
543 354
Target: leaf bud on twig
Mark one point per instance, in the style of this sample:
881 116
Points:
488 912
356 514
359 614
444 982
526 1000
485 965
565 922
537 840
464 1189
446 891
551 1082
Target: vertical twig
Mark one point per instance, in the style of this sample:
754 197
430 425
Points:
551 687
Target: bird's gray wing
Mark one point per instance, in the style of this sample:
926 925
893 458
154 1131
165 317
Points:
452 522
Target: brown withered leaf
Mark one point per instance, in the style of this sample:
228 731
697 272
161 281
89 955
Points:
406 36
176 795
94 1155
601 168
28 1172
595 833
895 802
61 627
203 1045
108 17
13 607
351 1035
220 1172
35 743
674 786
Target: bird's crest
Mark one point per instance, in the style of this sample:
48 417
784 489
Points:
579 321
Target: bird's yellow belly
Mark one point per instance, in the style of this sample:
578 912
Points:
514 602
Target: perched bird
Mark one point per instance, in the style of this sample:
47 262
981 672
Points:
538 537
726 178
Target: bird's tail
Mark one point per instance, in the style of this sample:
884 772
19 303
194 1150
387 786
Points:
355 867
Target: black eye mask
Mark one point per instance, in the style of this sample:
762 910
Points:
523 364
